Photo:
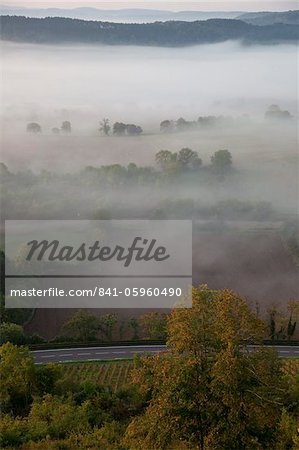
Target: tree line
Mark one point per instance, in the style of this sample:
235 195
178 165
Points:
170 34
273 112
118 129
85 327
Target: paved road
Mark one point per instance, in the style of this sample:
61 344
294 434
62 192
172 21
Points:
108 353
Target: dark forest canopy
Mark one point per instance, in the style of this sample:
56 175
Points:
173 33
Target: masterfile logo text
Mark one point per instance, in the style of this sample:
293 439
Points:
98 264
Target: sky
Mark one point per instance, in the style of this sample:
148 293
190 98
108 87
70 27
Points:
211 5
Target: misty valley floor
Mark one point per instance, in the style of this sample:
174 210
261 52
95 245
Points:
49 84
256 264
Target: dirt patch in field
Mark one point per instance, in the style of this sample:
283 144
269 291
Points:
255 264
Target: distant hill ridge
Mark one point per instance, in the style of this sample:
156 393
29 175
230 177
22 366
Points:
130 15
143 15
270 18
172 33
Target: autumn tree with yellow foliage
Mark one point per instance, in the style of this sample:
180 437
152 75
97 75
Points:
209 392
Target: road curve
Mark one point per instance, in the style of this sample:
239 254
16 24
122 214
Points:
122 352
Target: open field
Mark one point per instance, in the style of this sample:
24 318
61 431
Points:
117 373
112 373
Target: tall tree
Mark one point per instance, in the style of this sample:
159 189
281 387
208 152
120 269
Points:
66 127
166 160
83 326
221 161
208 392
155 325
105 127
119 128
17 375
107 324
187 158
34 127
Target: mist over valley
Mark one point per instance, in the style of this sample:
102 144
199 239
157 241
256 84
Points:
118 132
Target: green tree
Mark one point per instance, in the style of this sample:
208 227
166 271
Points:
287 435
107 325
293 308
46 377
13 315
57 417
13 431
166 160
272 323
83 326
154 324
106 437
187 158
11 332
221 161
134 325
17 375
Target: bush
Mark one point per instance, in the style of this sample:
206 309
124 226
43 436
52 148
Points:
13 431
11 332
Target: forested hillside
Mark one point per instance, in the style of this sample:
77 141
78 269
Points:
270 17
173 33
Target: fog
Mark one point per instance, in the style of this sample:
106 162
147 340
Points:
144 86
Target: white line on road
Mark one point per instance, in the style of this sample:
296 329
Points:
96 348
145 351
118 352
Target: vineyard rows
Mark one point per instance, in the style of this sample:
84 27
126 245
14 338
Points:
115 374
